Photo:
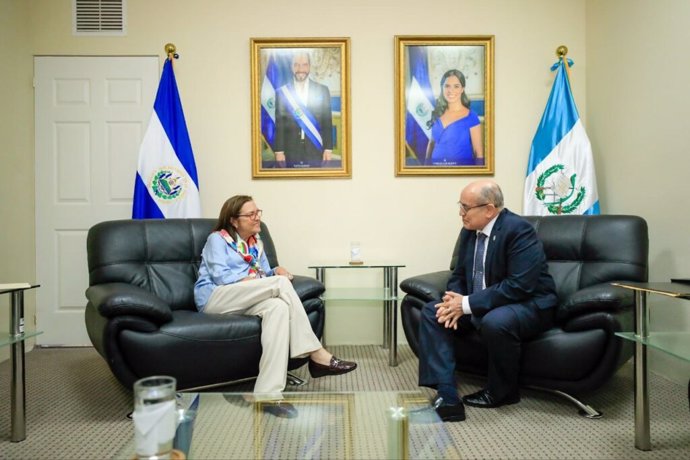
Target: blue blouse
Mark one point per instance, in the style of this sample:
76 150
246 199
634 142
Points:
452 144
221 264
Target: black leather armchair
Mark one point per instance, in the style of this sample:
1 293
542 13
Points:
141 317
585 254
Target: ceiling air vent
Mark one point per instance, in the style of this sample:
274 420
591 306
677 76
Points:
99 17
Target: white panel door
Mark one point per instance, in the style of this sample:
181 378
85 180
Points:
90 116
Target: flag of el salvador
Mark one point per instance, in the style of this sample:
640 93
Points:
560 173
166 184
419 104
272 80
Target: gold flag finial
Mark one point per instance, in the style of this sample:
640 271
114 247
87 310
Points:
561 51
170 51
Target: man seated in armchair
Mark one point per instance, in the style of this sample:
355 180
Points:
501 287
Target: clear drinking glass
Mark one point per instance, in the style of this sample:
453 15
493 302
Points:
155 417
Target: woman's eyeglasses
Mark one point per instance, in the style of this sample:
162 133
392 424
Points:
252 215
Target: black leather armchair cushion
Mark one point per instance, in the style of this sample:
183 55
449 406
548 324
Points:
140 314
585 254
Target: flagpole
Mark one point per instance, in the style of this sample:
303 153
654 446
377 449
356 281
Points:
562 52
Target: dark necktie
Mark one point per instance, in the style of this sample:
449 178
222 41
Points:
478 274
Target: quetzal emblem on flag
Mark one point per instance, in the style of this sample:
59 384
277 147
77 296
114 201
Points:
558 190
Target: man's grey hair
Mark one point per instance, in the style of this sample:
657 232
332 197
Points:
491 193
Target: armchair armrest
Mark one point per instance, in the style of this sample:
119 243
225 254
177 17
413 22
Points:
594 320
117 299
306 287
598 297
427 287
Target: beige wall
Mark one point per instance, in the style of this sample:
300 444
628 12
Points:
17 233
411 220
638 119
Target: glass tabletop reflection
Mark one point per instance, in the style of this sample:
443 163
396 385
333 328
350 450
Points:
344 425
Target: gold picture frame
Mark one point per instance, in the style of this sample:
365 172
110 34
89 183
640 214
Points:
435 135
294 134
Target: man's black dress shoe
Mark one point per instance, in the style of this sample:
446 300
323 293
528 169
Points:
280 409
336 367
484 399
451 413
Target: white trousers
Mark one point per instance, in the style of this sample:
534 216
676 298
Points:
285 329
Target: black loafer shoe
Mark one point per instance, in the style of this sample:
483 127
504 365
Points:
484 399
280 409
451 413
336 367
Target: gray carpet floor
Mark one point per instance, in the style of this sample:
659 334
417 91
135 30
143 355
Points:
76 410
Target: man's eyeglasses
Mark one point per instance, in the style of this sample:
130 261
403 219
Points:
252 215
464 209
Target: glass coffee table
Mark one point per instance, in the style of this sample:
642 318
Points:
371 425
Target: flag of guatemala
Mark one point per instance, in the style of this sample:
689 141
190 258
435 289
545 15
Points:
420 104
560 174
166 184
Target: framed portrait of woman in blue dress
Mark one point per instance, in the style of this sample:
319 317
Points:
444 105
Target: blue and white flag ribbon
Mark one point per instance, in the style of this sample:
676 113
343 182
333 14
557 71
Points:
166 184
560 174
303 117
419 104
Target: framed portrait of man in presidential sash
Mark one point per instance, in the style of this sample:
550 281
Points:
300 107
444 105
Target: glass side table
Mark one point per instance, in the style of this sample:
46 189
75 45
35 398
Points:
674 343
15 339
388 295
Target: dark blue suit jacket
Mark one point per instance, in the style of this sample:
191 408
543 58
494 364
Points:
287 137
515 269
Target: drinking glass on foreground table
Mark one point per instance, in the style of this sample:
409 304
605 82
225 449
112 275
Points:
155 417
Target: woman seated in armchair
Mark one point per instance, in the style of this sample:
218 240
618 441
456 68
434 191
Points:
236 278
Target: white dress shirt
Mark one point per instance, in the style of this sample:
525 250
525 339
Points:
466 309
